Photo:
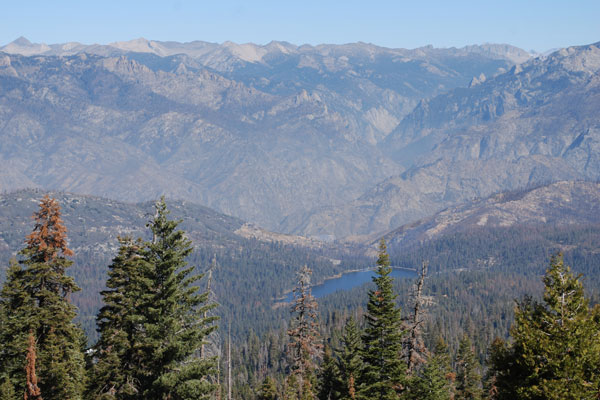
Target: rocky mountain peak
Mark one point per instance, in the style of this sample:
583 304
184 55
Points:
22 42
139 45
263 132
501 50
536 123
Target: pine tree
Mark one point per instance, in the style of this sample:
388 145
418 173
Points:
468 380
434 382
350 361
175 325
36 298
7 390
384 372
329 378
304 347
117 366
555 353
268 390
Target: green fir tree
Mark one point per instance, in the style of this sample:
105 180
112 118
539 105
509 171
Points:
468 380
384 372
175 322
555 352
117 368
434 381
329 378
350 361
35 300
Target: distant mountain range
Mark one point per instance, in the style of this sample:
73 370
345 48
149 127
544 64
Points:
328 141
266 133
537 123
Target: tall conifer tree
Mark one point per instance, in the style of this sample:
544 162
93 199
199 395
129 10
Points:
174 318
350 361
384 373
36 299
304 347
154 322
117 367
555 353
468 380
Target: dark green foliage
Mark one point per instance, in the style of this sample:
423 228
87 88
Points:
35 300
434 381
329 378
154 323
7 390
555 352
268 390
384 373
117 365
175 325
468 380
350 362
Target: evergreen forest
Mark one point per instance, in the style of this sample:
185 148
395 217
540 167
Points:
173 325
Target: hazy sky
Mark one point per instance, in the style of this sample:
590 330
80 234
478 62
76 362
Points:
530 24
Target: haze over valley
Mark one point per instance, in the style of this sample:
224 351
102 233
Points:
266 133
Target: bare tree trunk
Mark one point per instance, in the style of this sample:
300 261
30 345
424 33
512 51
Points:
416 347
213 265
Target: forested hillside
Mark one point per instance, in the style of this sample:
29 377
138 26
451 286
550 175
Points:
465 297
258 271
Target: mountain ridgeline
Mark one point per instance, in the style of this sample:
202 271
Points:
532 125
259 132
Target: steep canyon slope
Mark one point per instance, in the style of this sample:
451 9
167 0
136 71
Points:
535 124
259 132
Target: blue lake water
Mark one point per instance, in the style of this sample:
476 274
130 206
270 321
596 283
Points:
352 279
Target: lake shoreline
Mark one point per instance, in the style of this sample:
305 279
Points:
282 300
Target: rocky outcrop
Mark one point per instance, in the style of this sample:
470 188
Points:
260 132
534 124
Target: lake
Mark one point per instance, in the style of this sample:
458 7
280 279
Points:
352 279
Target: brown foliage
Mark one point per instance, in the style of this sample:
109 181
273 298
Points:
49 236
351 388
32 391
305 346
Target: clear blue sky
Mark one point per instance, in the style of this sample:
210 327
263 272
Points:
530 24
